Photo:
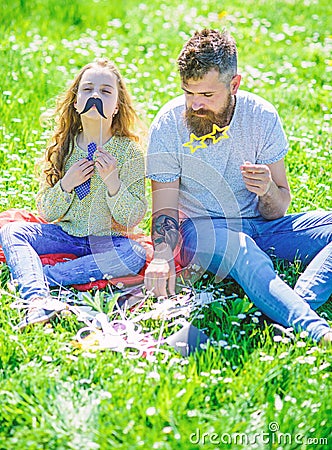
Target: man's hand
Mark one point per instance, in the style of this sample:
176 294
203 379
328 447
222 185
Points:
257 178
160 274
77 174
269 182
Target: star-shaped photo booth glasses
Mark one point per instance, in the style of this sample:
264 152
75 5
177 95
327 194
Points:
216 135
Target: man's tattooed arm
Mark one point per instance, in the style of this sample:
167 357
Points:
165 229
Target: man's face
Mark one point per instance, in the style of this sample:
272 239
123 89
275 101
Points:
208 102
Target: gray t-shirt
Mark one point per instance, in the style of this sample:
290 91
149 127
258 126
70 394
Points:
211 183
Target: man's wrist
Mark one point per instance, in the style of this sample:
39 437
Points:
163 252
268 190
161 246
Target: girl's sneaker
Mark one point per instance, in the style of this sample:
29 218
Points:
39 310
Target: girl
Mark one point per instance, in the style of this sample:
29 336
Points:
93 193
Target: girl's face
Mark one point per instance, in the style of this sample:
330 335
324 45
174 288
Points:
99 83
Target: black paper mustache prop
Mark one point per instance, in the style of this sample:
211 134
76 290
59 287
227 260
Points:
92 101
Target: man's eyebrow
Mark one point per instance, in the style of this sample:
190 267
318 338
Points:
190 92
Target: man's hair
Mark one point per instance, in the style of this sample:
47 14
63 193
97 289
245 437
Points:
207 50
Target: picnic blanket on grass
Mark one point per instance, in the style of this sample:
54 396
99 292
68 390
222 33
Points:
14 215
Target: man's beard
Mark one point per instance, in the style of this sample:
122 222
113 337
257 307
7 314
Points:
201 126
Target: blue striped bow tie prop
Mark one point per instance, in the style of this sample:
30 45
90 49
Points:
83 189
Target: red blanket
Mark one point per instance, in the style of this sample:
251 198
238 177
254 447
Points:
13 215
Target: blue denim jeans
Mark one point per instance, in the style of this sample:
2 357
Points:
98 257
240 249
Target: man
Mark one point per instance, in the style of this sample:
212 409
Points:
220 192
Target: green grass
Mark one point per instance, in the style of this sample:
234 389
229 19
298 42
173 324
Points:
55 396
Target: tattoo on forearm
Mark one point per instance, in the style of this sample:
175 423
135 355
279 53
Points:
165 229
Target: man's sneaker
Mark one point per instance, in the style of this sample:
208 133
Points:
276 328
279 330
326 339
41 311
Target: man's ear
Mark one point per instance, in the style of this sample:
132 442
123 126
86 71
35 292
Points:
235 84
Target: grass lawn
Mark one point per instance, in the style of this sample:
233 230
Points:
248 390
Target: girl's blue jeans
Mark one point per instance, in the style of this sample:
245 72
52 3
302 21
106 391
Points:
98 257
240 248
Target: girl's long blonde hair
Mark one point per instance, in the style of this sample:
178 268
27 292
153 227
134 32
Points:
69 122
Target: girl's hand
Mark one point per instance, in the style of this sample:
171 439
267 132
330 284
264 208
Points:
79 172
106 165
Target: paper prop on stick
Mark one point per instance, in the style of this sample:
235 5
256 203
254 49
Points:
83 189
92 101
199 142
